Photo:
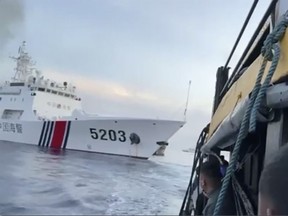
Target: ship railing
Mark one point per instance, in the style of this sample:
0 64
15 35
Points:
55 91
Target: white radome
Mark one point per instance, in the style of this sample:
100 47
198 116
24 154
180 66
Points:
39 111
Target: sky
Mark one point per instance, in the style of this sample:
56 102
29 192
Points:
131 57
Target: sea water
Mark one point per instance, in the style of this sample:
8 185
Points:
39 181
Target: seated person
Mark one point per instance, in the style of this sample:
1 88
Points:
201 198
210 181
224 165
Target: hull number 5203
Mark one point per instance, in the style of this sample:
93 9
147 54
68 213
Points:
111 135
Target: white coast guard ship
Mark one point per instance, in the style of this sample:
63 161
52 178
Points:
39 111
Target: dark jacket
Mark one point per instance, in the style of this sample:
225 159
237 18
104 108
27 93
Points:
200 204
212 200
227 208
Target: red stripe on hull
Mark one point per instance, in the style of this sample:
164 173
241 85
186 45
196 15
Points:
58 135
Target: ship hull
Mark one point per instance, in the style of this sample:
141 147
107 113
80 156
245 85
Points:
126 137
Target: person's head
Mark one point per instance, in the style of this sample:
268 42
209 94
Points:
224 162
209 177
222 157
273 185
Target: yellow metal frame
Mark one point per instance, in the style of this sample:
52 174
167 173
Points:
244 85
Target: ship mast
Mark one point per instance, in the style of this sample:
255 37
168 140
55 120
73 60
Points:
23 64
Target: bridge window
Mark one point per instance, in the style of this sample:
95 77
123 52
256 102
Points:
60 93
17 84
12 114
54 92
41 89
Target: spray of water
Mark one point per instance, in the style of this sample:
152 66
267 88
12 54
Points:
11 18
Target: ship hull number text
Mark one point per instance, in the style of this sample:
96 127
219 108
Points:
108 135
11 127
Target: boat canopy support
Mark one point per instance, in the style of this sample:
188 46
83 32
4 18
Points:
238 68
277 98
226 133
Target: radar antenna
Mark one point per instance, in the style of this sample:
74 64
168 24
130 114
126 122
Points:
23 64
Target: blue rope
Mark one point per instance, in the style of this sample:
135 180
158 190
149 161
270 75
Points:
263 89
256 97
241 135
269 46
